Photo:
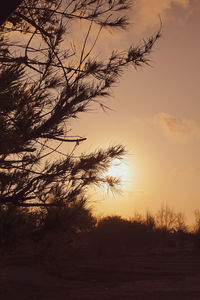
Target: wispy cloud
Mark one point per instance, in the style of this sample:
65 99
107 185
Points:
178 171
183 129
187 170
149 10
173 124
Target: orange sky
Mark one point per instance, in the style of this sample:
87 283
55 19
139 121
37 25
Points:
156 113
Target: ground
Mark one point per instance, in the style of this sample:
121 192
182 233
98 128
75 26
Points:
124 276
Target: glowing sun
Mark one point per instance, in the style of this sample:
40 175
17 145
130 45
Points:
118 169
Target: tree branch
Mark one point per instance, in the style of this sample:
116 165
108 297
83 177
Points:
7 8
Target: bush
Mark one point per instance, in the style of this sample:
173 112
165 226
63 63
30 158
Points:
15 224
70 219
46 227
116 232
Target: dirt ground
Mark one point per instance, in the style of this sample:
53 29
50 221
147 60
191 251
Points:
172 275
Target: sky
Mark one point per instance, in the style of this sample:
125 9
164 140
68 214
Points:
155 113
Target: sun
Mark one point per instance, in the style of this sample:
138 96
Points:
119 169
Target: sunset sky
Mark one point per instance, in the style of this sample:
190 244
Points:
155 113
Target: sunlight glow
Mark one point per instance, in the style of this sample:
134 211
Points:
120 170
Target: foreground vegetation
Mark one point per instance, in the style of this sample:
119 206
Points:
67 253
48 232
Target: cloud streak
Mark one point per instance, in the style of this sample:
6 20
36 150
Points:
180 128
149 10
187 170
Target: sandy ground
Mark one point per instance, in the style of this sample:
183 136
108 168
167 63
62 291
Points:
104 277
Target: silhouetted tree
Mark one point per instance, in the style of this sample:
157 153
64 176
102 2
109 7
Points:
7 9
45 83
172 221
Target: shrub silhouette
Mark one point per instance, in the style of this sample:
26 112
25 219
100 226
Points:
116 232
74 227
43 229
69 219
15 224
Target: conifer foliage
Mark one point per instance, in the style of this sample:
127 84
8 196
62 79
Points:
46 80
